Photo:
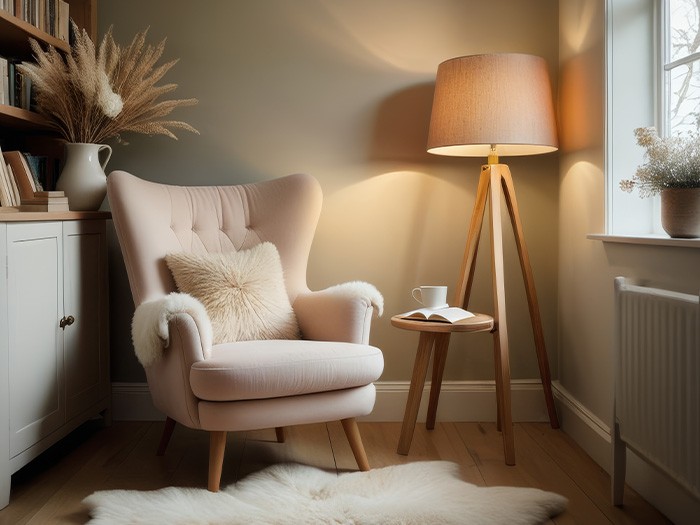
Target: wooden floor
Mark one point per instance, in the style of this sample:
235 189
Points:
50 489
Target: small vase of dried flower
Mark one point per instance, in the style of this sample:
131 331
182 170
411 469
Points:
672 169
83 178
95 94
680 212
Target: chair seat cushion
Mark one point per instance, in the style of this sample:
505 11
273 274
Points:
281 368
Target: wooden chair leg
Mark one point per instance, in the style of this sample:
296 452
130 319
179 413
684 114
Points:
279 434
165 436
358 449
217 447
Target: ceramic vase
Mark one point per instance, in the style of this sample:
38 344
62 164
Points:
83 178
680 212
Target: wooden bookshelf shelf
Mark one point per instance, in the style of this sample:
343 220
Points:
21 119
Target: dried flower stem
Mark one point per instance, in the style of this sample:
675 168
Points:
671 162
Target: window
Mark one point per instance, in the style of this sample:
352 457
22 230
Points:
631 93
652 79
680 56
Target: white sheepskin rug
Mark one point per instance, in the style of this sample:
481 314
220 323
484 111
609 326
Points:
415 493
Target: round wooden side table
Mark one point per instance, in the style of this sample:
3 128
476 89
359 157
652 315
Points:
436 335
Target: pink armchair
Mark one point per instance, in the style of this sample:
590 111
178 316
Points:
328 375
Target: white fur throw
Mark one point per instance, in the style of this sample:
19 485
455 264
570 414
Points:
149 328
243 292
359 289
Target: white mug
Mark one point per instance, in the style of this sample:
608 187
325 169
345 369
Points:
430 296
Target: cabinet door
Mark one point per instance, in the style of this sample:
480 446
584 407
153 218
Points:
35 340
85 299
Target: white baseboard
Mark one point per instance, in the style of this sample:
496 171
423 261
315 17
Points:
459 401
593 435
132 402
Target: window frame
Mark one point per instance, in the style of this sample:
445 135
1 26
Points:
633 98
665 65
631 95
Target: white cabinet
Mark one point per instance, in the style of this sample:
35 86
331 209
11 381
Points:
54 356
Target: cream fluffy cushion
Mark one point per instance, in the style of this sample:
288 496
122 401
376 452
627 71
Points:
243 292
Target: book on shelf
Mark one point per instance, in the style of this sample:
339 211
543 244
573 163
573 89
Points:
8 198
45 201
19 87
16 197
50 16
38 165
47 206
57 197
29 194
22 174
63 20
449 314
8 6
4 82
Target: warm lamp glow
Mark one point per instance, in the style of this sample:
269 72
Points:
502 100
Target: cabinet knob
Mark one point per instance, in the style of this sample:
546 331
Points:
66 321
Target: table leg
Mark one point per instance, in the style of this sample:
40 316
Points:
420 369
442 342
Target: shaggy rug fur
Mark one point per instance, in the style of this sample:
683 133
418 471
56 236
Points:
415 493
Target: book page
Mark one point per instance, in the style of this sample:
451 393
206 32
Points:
446 315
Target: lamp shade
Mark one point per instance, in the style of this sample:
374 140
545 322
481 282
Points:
499 99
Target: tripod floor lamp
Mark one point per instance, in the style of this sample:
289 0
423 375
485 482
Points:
486 106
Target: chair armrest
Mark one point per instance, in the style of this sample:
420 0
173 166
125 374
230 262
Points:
169 376
170 334
150 327
339 313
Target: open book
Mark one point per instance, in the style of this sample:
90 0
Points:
450 314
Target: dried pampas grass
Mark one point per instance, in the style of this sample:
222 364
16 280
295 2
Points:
96 94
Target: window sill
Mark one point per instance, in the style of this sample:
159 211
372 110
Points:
651 240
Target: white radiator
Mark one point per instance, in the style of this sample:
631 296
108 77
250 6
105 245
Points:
657 383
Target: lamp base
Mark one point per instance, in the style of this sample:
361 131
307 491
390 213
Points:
493 177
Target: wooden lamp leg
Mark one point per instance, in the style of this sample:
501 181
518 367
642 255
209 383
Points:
501 333
531 292
466 275
494 179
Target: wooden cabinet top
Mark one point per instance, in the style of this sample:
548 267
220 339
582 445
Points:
34 216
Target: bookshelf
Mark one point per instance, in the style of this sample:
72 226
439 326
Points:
14 43
21 129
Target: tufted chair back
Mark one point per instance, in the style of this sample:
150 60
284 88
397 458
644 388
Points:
209 219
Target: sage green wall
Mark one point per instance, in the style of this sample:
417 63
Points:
342 90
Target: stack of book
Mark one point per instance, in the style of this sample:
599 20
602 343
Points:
20 188
45 201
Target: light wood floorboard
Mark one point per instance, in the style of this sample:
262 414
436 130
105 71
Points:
123 456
